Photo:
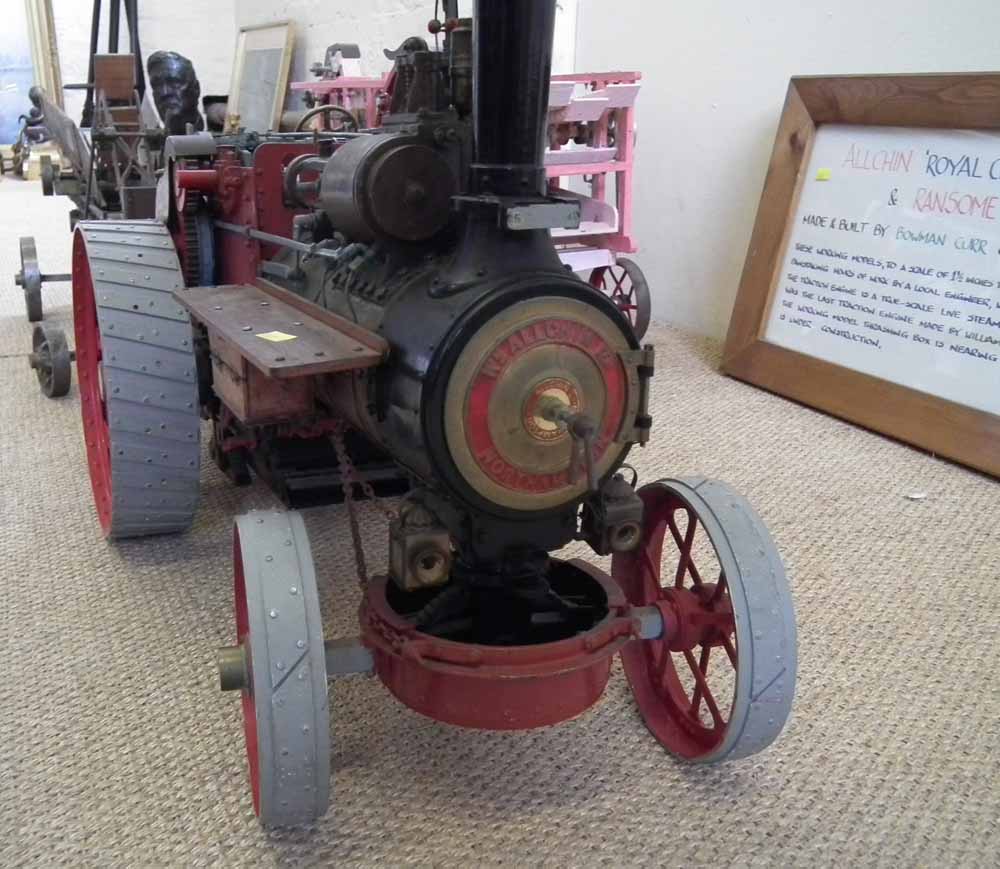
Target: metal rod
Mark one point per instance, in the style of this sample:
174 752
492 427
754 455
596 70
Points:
307 135
109 134
95 32
115 12
132 15
649 622
91 175
348 656
281 241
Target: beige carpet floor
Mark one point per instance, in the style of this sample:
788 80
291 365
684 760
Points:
117 749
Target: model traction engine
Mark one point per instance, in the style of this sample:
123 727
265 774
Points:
392 298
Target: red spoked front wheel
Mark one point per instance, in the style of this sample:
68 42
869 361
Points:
718 683
626 286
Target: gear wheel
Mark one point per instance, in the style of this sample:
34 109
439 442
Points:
196 245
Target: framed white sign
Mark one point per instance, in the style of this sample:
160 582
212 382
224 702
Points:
872 285
893 262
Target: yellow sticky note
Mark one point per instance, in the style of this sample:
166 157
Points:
824 175
276 336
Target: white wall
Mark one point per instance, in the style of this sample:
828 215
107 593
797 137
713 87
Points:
202 30
714 80
374 25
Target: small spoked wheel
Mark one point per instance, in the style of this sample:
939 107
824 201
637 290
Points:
30 279
51 358
718 684
279 665
334 118
627 287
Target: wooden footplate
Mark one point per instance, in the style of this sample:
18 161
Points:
268 344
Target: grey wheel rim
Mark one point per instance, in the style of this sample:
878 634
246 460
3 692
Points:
626 285
753 684
47 173
285 705
30 278
51 360
640 292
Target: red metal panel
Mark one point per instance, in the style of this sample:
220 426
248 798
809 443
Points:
495 687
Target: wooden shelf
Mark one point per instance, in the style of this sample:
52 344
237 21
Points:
560 170
278 336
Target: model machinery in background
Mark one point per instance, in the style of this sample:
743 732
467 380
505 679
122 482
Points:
591 134
111 172
110 175
591 137
340 98
386 308
32 131
97 172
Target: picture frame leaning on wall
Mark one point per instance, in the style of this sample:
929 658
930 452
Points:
871 288
259 81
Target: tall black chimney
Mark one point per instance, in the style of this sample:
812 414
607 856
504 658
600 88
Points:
513 60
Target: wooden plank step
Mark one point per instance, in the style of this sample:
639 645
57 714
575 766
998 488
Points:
579 154
583 109
281 334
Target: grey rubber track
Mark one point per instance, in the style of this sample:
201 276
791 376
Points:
288 668
150 381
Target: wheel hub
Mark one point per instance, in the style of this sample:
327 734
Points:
233 672
536 422
697 617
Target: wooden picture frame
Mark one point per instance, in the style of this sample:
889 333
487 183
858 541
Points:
44 52
248 107
961 101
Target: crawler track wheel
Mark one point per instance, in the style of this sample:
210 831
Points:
279 665
30 280
628 288
138 386
52 360
718 684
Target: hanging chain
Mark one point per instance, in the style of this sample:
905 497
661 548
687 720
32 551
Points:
348 477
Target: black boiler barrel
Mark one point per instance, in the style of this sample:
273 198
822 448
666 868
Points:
513 60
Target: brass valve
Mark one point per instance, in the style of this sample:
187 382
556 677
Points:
582 429
419 548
